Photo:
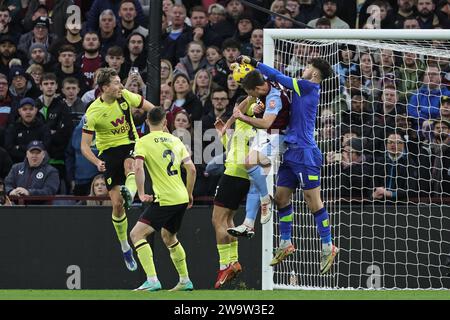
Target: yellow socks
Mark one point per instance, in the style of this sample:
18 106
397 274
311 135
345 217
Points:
145 255
121 226
178 257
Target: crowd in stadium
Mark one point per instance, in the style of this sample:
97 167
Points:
48 64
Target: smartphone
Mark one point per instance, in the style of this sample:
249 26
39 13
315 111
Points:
134 70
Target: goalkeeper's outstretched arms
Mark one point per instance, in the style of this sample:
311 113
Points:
271 73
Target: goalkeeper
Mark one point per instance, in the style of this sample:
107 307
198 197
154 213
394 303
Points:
302 159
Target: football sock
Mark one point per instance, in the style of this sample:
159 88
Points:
234 254
323 226
145 255
224 255
258 178
130 183
178 257
251 206
121 226
286 217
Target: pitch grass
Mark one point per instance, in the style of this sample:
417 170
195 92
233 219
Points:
224 295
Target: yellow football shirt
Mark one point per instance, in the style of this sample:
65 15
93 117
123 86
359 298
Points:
238 147
163 155
108 121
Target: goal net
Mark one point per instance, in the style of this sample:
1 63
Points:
382 127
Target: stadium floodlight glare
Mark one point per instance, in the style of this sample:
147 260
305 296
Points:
384 244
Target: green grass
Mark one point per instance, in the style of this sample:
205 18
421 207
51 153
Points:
223 295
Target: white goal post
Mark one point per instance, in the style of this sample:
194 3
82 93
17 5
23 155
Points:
398 243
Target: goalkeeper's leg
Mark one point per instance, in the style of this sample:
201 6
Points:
321 216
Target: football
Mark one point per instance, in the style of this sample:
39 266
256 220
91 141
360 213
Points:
240 71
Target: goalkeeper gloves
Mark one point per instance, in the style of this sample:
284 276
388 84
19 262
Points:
246 59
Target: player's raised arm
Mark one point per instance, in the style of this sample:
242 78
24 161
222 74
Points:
191 174
271 73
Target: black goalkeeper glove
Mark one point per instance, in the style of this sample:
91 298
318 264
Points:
246 59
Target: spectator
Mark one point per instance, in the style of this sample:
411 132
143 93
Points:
410 73
385 115
109 32
439 150
222 23
166 99
443 14
389 73
370 75
22 85
6 108
98 189
425 12
34 176
220 102
139 117
217 15
38 54
166 72
35 71
424 104
323 23
212 55
309 10
395 172
183 129
135 84
70 90
298 60
234 9
329 8
8 51
66 67
115 59
173 48
201 30
58 11
92 94
193 61
405 11
72 37
99 6
255 47
33 13
354 170
128 22
90 60
360 115
294 8
4 199
445 108
411 23
39 34
79 170
185 98
230 51
234 91
57 117
201 86
244 30
136 56
279 22
7 26
345 64
5 163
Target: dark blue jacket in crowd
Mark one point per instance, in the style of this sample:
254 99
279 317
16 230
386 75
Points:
39 181
425 103
78 168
